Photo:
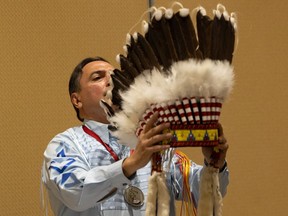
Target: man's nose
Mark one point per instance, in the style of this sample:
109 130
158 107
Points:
108 79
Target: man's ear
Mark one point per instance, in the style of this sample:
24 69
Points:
76 101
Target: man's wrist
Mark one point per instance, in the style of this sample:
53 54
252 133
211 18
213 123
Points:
205 162
221 169
128 169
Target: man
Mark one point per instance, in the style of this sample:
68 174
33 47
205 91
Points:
86 171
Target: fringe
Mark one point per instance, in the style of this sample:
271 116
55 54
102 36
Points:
152 195
158 199
210 199
163 196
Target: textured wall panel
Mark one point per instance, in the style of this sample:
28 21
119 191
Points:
41 42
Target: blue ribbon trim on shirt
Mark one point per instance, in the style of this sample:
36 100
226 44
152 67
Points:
61 170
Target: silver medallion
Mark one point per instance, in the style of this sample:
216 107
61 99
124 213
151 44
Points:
134 196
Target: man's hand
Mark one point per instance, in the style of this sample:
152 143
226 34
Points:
147 145
215 156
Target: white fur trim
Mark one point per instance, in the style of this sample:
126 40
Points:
217 194
158 195
210 199
152 195
163 203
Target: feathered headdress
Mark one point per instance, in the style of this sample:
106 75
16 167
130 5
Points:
183 74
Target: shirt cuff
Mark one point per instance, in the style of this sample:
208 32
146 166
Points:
112 173
118 178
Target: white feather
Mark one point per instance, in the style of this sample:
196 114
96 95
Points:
145 27
128 39
157 14
169 13
184 12
118 58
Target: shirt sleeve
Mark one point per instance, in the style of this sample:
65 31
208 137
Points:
68 175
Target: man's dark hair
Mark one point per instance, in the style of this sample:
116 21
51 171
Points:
74 82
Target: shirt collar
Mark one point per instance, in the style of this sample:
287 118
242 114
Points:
99 128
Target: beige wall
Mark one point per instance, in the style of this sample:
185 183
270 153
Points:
41 41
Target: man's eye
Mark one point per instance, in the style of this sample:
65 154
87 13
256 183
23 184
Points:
96 78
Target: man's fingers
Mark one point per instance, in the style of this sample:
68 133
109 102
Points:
158 138
222 140
220 130
157 148
151 122
155 130
223 147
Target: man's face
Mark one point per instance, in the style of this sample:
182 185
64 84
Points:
94 84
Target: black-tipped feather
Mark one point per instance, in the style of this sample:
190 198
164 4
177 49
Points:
148 52
126 65
204 24
164 26
217 40
140 60
135 60
116 98
155 38
178 38
108 108
189 34
230 42
122 77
